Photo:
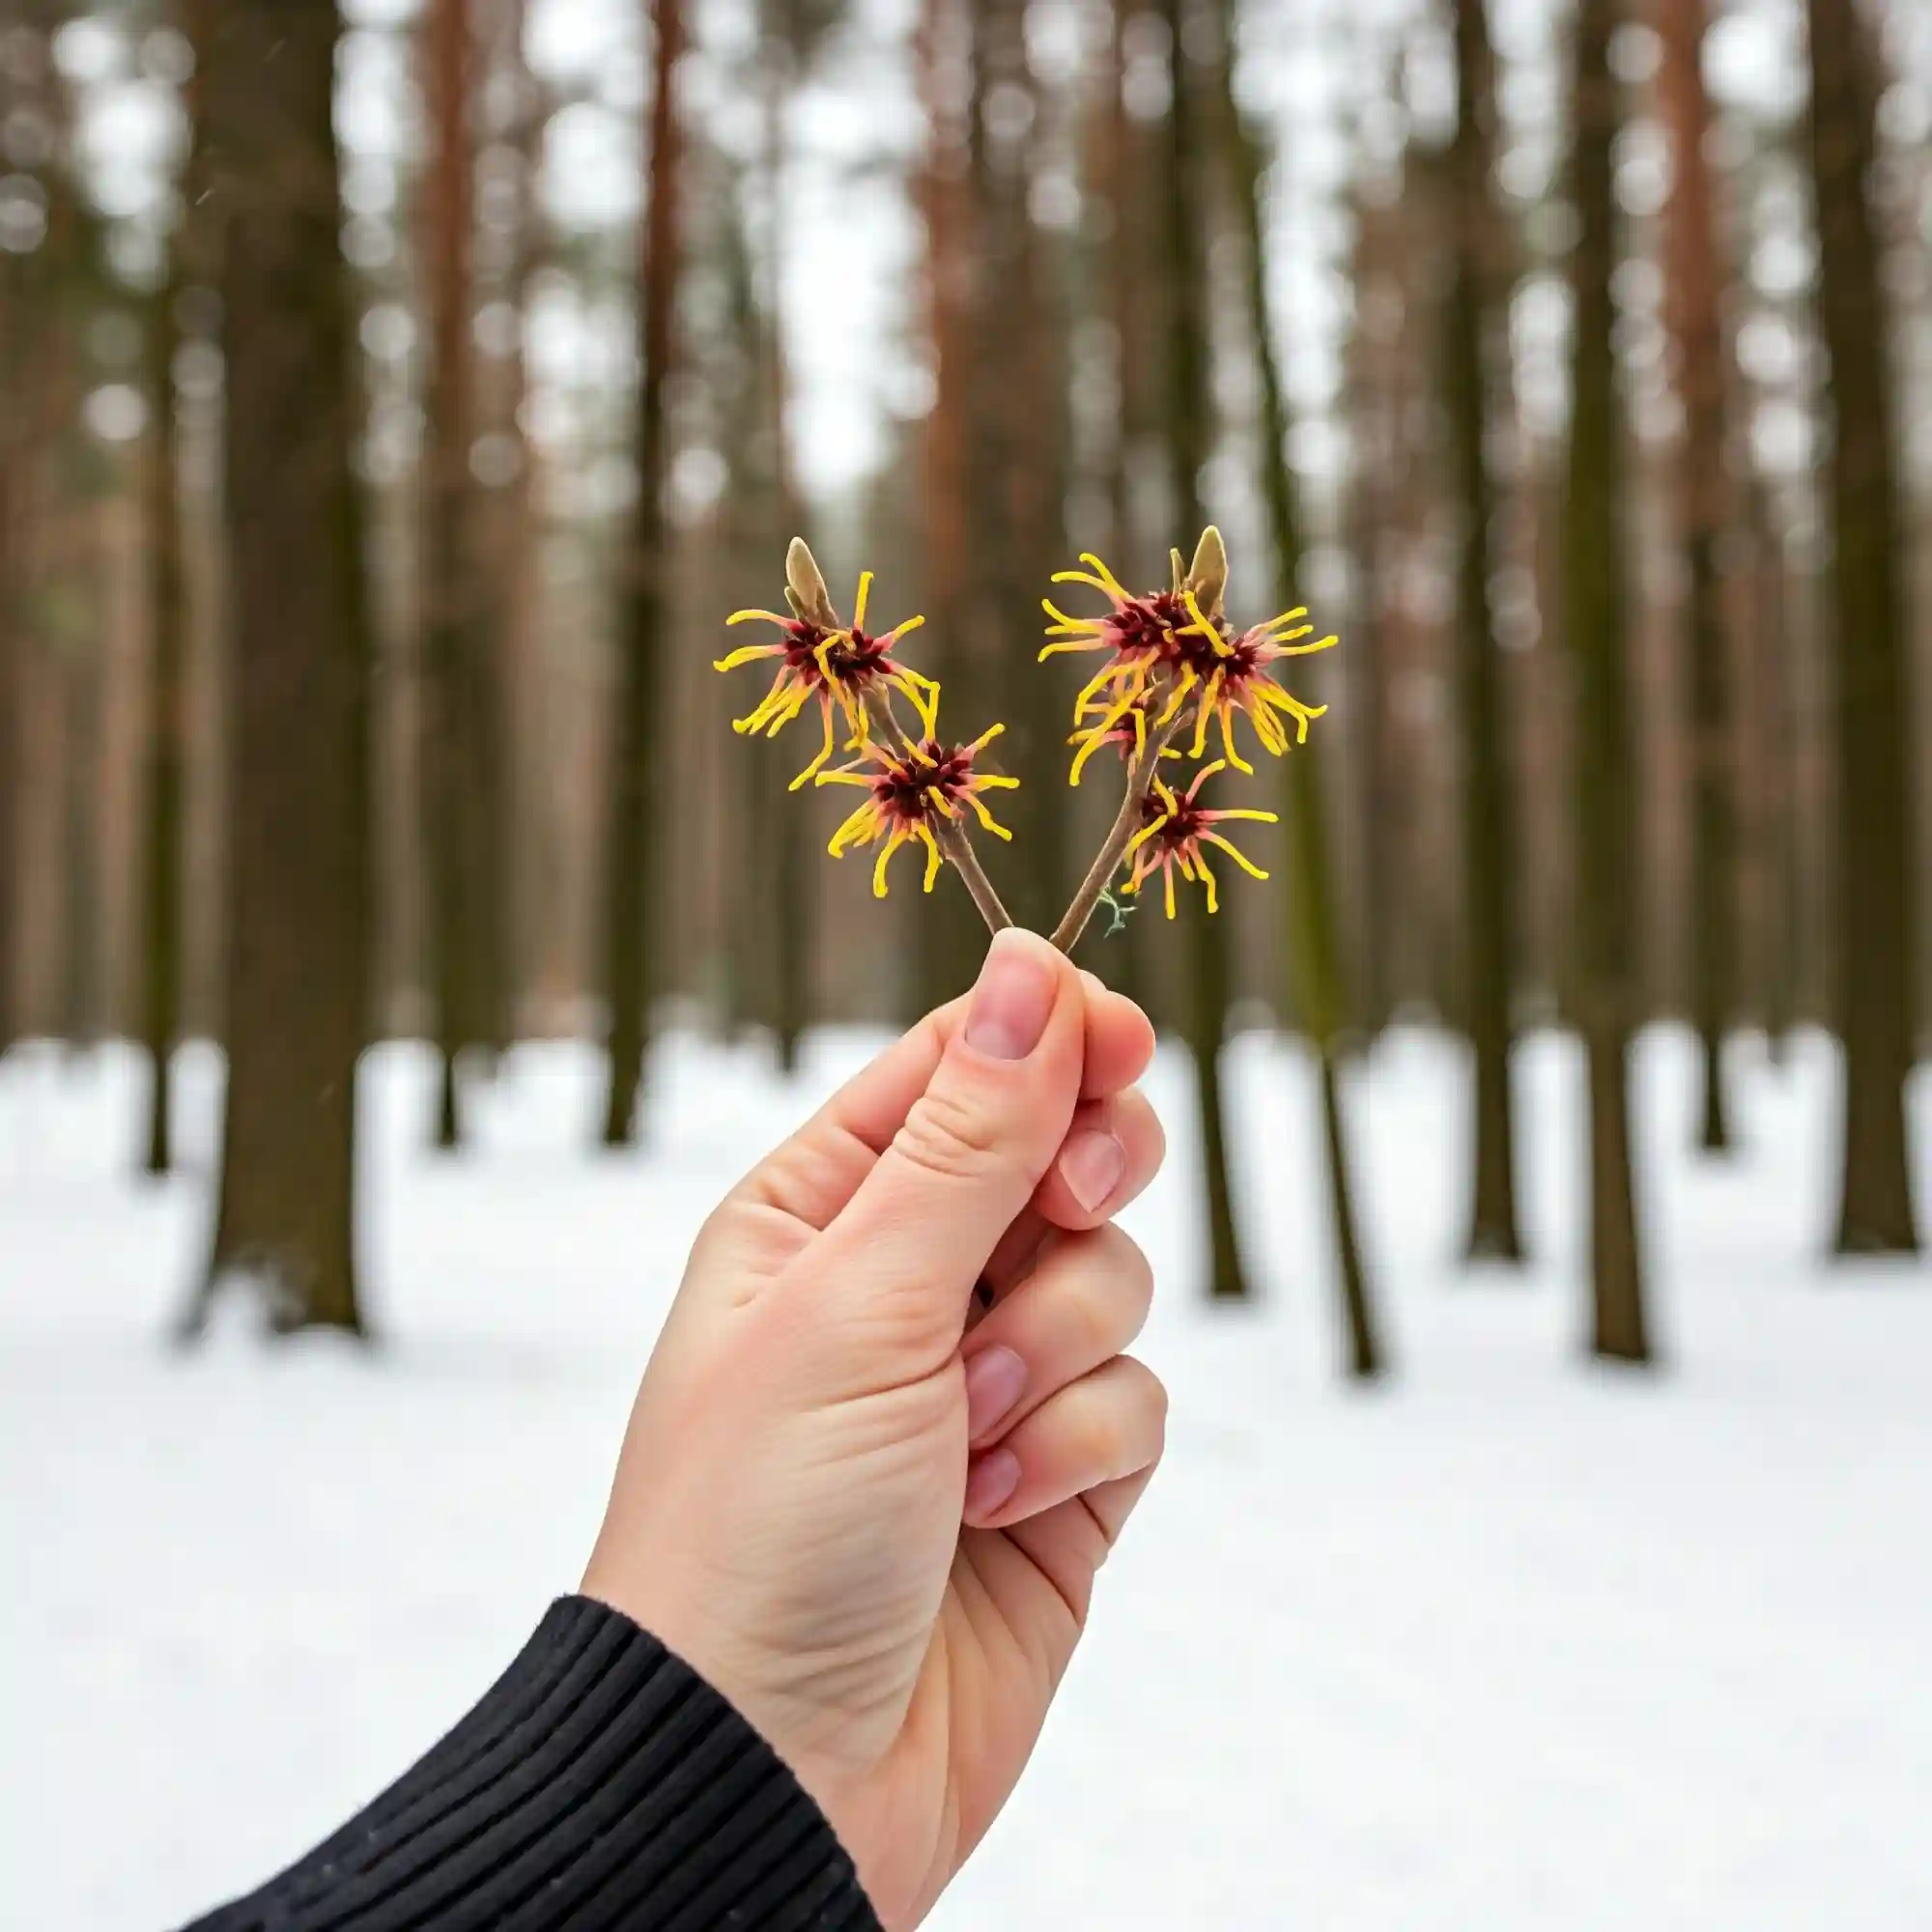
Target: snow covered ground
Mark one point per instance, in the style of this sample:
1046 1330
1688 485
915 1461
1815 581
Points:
1511 1643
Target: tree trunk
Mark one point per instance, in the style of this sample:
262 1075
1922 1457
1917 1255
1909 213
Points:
1875 874
1695 276
796 857
11 450
1013 466
947 933
1189 433
632 848
165 787
80 820
1119 253
160 1005
299 925
1313 940
1489 858
1596 635
1775 637
1618 1328
451 630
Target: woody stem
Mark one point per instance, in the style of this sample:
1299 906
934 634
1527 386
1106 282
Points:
1127 822
954 846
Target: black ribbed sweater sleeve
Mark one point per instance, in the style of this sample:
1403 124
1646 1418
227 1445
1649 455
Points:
601 1783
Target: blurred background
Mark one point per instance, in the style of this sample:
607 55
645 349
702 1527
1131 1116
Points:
399 952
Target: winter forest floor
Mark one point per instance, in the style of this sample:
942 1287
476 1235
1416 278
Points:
1508 1643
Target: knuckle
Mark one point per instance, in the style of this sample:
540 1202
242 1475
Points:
1100 1443
1160 1403
1158 1406
1094 1329
1123 1285
945 1134
1134 1275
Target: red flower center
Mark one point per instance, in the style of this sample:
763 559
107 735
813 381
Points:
1147 624
904 789
1186 820
851 659
1160 625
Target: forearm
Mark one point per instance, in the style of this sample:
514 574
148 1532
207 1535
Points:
600 1783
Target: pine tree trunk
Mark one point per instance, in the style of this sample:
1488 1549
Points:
1619 1330
1773 636
1314 949
450 627
795 861
1489 858
165 777
1189 401
948 937
160 1005
1695 275
1874 910
1014 470
12 449
632 861
1122 959
1206 967
298 920
1596 635
81 680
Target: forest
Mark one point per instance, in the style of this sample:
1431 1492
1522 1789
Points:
397 398
386 440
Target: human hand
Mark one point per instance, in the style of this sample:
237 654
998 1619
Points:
872 1527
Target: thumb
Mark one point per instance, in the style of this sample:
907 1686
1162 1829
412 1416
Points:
902 1255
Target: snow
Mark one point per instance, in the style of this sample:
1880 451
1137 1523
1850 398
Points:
1510 1642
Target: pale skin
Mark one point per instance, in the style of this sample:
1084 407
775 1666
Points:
867 1515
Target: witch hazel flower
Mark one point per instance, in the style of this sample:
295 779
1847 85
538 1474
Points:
1175 827
837 667
1172 670
915 791
1235 677
1173 658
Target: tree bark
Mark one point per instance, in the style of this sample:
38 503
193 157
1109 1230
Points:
1695 275
947 932
13 332
1774 639
452 632
1488 855
1874 911
792 896
81 680
1189 401
298 944
166 772
1596 635
1314 949
632 861
1121 256
1013 466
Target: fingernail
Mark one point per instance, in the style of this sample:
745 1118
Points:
994 1379
990 1479
1014 999
1092 1164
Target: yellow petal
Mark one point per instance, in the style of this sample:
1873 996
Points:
1234 852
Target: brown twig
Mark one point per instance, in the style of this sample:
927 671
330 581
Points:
954 846
1127 822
